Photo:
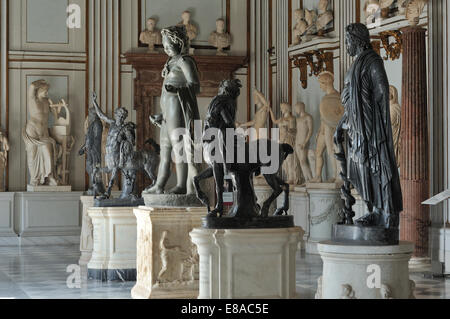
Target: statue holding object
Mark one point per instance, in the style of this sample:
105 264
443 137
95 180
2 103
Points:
365 132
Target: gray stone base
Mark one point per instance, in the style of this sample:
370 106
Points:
112 275
171 200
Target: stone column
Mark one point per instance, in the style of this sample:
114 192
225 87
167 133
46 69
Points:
414 174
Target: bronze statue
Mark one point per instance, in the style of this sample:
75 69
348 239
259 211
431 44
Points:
369 161
179 110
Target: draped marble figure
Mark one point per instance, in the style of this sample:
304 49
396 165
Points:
41 148
371 165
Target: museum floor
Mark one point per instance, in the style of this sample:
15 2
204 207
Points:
40 273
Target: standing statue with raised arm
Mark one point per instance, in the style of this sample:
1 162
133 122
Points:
365 132
179 111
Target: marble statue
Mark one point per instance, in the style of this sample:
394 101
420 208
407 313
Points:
220 39
305 127
4 149
179 110
369 160
301 26
287 125
414 9
331 111
92 148
324 17
221 115
60 132
151 36
121 157
41 148
260 118
371 9
396 117
191 29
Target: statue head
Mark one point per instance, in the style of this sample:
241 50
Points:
299 14
299 108
231 88
186 16
175 40
220 25
414 9
323 5
393 94
285 108
357 38
120 115
41 88
326 80
151 24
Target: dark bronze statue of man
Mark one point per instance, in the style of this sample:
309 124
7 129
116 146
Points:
365 129
92 148
179 111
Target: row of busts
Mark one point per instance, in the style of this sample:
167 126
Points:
379 9
220 39
310 23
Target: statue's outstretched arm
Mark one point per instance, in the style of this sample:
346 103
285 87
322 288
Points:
100 113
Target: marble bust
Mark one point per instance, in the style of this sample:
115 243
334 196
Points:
371 8
4 149
151 36
41 148
300 27
191 29
324 17
220 39
414 9
384 5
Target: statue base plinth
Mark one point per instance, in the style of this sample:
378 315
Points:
365 236
248 223
362 272
167 261
114 250
241 263
117 202
49 189
171 200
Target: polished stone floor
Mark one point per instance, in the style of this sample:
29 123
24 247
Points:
41 273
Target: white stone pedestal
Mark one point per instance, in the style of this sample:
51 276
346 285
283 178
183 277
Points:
49 189
167 261
114 249
365 272
324 206
247 263
87 231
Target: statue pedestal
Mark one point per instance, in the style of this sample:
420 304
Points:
49 189
247 263
87 235
360 267
324 206
167 261
114 249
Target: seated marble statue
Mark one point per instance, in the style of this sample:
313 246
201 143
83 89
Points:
41 148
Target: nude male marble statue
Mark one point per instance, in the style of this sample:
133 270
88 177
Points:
260 118
331 111
305 127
